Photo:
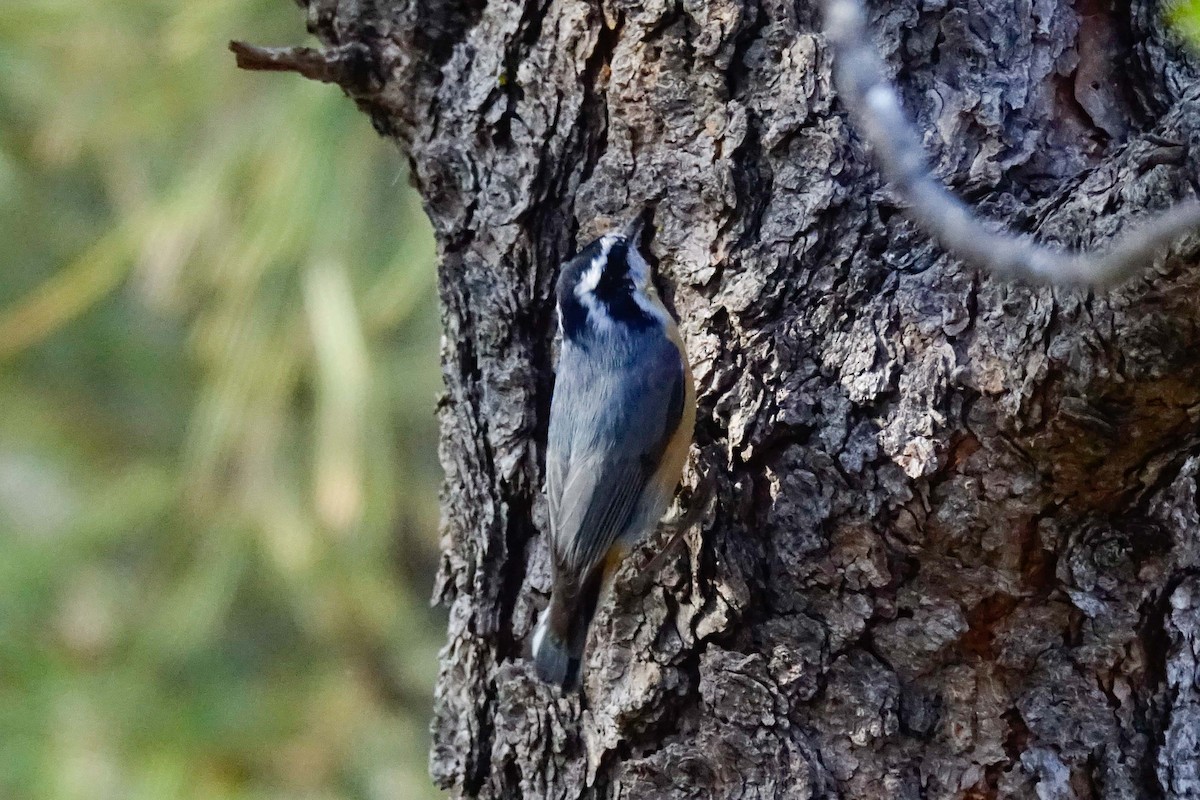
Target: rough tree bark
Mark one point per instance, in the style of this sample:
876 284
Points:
955 551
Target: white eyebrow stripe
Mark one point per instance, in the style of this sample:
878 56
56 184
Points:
591 277
597 314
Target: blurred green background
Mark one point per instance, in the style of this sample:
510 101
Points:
218 370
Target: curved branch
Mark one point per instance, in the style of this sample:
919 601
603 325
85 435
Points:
898 152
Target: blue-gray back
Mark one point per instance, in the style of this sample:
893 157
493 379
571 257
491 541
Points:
610 420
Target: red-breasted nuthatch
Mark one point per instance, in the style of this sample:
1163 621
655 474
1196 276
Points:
621 422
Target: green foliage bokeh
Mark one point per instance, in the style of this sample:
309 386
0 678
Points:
218 369
1184 16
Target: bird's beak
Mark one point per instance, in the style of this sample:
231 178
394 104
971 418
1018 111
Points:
632 232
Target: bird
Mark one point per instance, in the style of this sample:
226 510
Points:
622 416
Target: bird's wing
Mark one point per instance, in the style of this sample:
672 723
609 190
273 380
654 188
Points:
599 463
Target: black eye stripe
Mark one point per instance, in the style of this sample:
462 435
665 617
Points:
615 274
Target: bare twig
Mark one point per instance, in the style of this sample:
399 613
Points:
349 66
899 154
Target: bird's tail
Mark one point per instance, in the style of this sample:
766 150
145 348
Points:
554 654
561 632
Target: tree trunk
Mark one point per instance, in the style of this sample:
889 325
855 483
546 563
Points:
955 551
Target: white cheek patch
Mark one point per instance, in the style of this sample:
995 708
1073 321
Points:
653 310
639 270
